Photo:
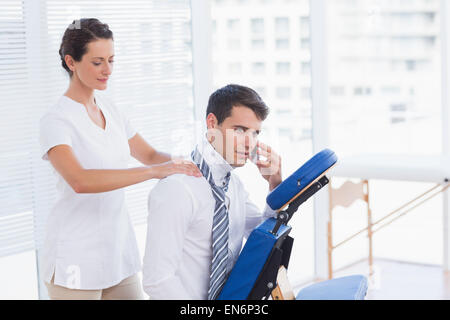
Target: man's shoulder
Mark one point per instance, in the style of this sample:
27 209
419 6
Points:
180 189
182 183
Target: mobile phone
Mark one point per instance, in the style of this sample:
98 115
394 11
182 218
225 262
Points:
254 155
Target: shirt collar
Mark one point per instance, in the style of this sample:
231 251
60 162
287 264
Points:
217 164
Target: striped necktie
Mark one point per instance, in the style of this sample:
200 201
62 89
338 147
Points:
218 273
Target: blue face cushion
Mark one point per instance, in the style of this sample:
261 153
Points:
298 182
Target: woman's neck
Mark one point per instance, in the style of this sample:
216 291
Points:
80 93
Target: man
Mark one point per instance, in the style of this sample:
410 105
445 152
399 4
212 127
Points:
196 225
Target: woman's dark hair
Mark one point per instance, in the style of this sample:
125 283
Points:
224 99
78 35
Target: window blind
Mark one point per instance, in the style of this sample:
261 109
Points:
151 83
16 199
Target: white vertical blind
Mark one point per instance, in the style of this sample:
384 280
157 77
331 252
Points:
151 83
16 199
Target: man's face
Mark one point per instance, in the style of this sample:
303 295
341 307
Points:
236 137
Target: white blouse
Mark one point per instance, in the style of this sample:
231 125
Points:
90 242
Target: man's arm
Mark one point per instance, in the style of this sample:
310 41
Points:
253 215
170 207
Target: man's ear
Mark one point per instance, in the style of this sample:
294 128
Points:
211 125
211 121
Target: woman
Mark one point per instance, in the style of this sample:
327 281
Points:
90 250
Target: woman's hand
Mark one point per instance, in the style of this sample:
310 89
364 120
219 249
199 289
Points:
162 170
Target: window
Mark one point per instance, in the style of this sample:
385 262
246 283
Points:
283 68
282 43
386 50
358 91
305 93
234 26
337 91
257 25
398 107
258 68
304 26
305 43
411 65
282 26
286 132
390 90
235 68
258 44
391 71
234 44
262 91
283 93
305 67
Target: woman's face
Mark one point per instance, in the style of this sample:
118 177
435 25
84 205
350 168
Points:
96 64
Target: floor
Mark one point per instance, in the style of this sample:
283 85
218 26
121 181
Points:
395 280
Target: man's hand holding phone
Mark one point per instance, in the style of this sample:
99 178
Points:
268 163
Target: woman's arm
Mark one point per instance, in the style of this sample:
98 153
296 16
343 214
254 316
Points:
145 153
92 181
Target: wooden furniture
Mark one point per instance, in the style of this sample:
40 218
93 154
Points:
431 169
345 196
283 290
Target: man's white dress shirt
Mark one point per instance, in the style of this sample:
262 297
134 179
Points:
178 251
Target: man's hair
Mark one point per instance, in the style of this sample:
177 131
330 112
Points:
224 99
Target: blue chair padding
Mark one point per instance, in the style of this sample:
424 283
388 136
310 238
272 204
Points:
301 178
262 241
344 288
251 261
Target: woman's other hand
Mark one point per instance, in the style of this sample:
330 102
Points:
175 166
